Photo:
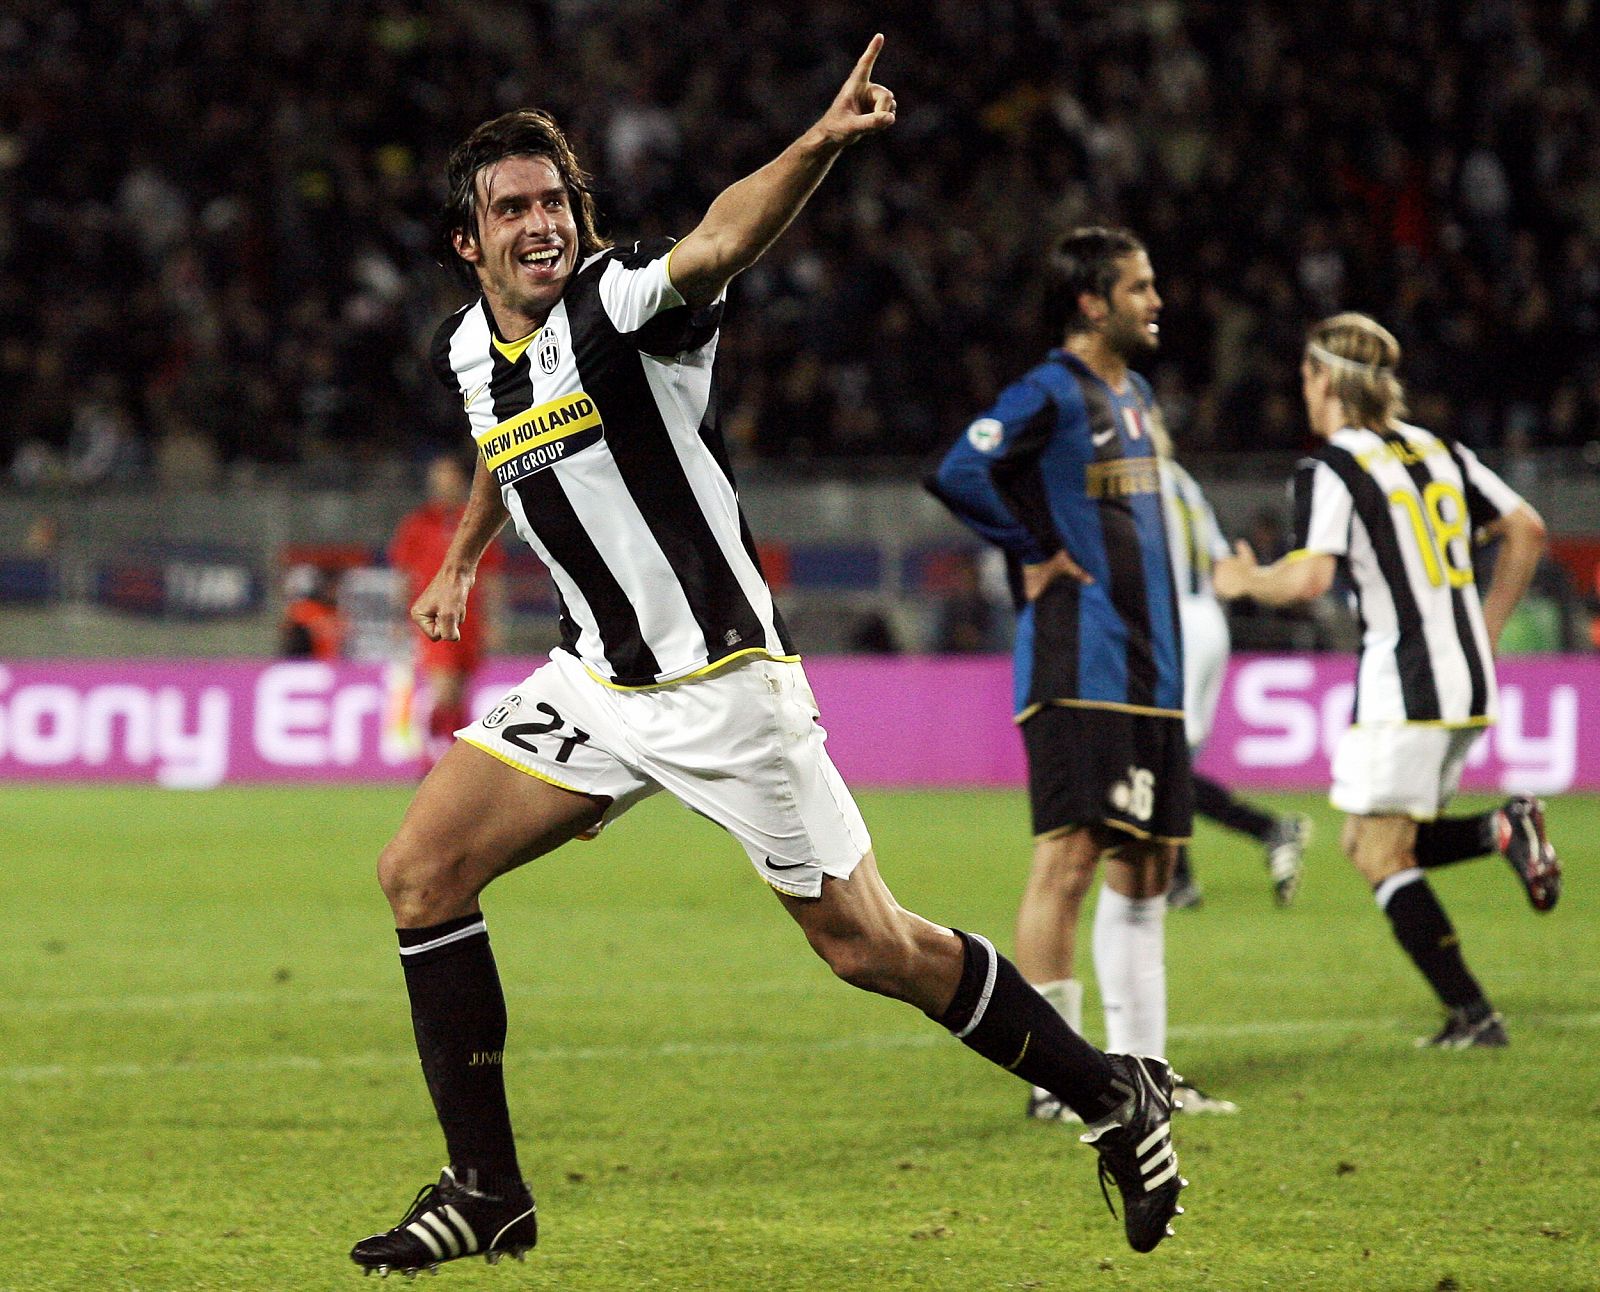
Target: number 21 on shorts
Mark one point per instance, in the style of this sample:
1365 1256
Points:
520 734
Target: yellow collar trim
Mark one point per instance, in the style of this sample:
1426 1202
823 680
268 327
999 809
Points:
513 350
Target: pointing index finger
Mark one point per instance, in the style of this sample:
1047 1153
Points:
863 69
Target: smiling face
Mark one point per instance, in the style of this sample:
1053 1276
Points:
526 246
1130 327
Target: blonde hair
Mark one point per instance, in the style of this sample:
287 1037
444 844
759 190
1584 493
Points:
1360 355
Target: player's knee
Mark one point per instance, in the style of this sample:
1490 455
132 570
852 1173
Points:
397 876
1147 867
1065 874
1077 879
422 887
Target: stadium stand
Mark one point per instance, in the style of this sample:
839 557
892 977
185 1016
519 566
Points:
217 219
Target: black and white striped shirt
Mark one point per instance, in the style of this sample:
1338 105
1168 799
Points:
1194 538
601 430
1401 509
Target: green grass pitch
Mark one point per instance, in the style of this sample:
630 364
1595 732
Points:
207 1079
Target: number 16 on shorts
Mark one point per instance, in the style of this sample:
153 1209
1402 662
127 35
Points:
1135 795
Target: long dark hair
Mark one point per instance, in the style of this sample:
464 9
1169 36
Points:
526 132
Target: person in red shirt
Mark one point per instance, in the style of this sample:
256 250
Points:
312 626
418 549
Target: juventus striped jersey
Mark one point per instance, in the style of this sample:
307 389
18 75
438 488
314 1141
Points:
1064 461
1194 538
1401 509
601 431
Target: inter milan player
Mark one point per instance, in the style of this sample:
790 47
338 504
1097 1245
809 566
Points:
1401 509
586 375
1062 474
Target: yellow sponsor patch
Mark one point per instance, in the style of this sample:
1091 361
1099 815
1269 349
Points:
1121 478
540 437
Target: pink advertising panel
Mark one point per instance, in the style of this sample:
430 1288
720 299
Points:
891 721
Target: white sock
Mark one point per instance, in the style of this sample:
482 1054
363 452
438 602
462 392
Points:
1066 995
1130 961
1066 998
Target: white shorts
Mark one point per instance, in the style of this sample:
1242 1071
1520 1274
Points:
1399 769
1205 664
742 747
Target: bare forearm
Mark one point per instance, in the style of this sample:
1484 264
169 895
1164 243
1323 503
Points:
1521 546
749 216
1297 577
482 519
1291 580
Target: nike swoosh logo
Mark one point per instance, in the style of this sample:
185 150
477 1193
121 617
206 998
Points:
793 865
1103 438
473 394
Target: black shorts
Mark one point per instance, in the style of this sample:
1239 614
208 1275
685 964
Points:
1129 771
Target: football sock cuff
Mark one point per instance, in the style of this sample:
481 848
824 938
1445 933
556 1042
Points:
979 967
998 1015
1425 933
422 946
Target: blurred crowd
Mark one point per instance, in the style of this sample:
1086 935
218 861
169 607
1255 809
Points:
219 243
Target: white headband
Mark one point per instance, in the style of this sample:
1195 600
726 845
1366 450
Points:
1350 365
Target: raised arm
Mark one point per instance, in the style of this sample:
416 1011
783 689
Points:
443 603
749 215
1522 542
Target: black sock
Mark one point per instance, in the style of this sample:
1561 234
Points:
458 1013
1425 932
1182 872
1214 801
997 1013
1455 838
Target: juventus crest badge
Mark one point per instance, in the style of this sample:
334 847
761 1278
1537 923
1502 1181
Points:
549 352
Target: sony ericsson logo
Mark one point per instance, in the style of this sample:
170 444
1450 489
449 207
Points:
985 434
549 351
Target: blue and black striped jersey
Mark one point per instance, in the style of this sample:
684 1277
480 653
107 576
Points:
1063 461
